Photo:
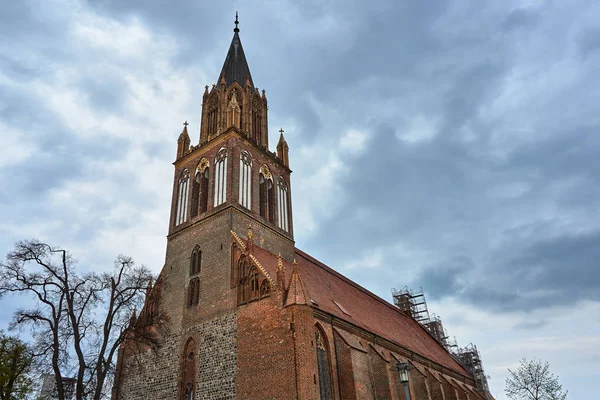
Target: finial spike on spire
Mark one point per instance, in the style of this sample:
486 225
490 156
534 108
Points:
236 29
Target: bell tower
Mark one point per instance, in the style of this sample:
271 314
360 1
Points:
231 165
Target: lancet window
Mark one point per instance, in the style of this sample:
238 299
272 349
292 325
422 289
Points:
188 371
220 177
245 182
283 206
195 261
211 117
234 111
182 198
323 364
253 278
266 194
252 285
257 108
194 292
200 188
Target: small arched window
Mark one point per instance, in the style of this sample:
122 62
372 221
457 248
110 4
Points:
324 365
265 288
195 261
194 292
253 279
200 188
245 182
283 219
182 198
266 194
188 371
220 177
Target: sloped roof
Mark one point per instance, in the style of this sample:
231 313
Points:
337 295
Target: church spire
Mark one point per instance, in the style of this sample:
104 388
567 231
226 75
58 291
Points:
235 67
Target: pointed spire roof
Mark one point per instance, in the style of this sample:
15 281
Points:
235 67
297 292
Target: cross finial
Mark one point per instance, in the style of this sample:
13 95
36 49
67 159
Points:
185 123
281 131
236 29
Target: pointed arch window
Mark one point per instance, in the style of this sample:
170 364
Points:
266 194
257 108
194 292
324 365
195 261
182 198
233 111
283 219
253 280
211 117
188 371
243 266
220 177
245 182
200 188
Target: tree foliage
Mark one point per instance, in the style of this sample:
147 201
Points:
79 320
533 381
15 365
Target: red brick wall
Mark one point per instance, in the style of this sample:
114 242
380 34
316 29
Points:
344 368
265 351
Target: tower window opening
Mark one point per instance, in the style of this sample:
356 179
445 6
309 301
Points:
266 194
220 177
182 198
245 183
200 188
283 219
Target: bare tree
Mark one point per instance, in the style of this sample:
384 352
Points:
79 320
533 381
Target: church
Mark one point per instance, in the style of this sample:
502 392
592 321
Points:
250 316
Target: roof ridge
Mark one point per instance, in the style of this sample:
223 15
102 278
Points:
349 281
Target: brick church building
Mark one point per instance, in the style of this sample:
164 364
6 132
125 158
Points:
250 316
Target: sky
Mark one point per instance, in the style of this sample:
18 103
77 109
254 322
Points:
442 145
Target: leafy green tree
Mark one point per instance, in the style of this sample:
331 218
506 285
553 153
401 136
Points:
533 381
15 365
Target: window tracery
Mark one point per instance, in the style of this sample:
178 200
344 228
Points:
220 177
324 365
245 195
200 188
266 194
234 110
182 198
283 219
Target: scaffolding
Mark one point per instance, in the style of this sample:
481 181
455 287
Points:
414 304
470 358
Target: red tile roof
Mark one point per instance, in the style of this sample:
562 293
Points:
337 295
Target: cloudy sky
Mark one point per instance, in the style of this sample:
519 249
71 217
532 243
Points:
446 145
